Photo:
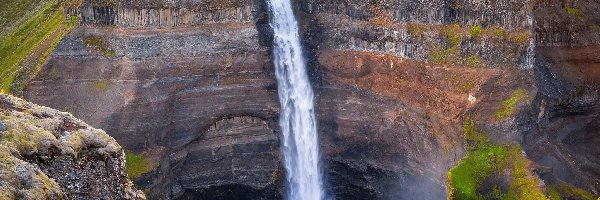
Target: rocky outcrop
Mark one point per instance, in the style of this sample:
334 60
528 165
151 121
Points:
49 154
424 30
236 154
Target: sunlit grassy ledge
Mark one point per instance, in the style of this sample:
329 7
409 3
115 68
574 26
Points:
27 48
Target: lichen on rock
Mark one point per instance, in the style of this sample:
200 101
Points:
48 154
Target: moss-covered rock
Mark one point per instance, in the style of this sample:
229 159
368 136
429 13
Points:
48 154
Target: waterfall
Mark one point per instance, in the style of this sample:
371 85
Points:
297 117
529 57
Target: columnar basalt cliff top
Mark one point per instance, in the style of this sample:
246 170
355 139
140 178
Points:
48 154
188 4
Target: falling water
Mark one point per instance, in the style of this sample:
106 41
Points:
529 60
297 118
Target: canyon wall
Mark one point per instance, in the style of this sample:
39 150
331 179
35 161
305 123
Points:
565 113
190 84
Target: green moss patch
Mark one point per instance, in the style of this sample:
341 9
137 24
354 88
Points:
24 136
574 11
481 161
416 30
566 191
485 159
497 32
100 85
448 51
98 43
475 31
519 38
453 34
474 61
135 164
509 106
440 55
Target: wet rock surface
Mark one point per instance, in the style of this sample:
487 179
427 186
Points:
49 154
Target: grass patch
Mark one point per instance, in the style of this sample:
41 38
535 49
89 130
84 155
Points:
474 61
16 46
100 85
14 12
553 194
519 37
99 44
439 55
572 192
135 164
71 4
453 34
416 30
475 31
466 86
465 178
574 11
498 32
26 73
509 106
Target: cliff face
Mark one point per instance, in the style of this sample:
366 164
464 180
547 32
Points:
49 154
566 109
191 85
196 97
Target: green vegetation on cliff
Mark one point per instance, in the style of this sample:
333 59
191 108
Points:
100 44
13 12
509 106
486 160
135 165
574 11
566 191
447 48
475 31
26 48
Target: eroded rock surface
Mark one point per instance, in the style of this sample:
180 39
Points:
49 154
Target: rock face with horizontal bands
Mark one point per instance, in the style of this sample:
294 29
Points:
49 154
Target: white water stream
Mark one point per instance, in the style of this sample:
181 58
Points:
297 117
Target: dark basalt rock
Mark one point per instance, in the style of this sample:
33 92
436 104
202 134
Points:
236 153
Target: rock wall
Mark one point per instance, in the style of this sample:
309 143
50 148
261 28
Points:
49 154
198 99
566 108
414 29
